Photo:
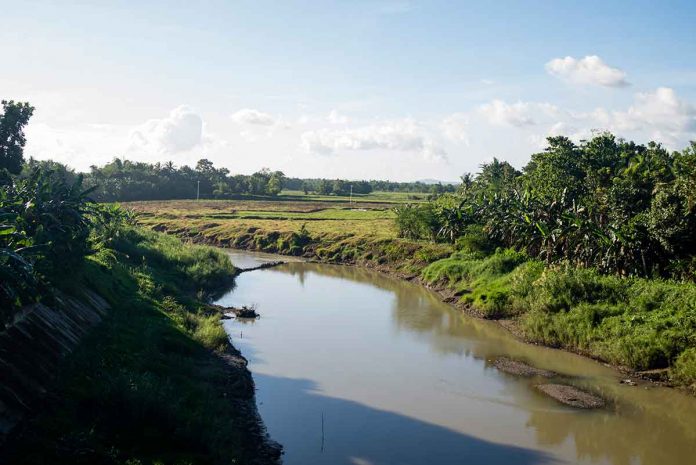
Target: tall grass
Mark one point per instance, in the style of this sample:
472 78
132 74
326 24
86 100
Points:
639 323
175 264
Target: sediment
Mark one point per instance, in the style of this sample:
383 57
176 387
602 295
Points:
571 396
519 368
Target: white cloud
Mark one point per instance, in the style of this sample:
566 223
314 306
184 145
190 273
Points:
250 116
77 146
661 114
588 70
455 127
517 114
336 118
180 131
402 135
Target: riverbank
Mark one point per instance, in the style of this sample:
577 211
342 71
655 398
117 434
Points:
643 327
158 381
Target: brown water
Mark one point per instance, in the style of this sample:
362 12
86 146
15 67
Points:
353 367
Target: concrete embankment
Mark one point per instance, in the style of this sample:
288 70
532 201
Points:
32 347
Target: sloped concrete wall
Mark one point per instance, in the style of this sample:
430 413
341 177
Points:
33 346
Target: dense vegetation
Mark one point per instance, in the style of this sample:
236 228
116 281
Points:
141 387
610 204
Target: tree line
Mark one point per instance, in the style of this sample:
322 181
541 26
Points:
607 203
125 180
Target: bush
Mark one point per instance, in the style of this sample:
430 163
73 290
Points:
417 221
684 369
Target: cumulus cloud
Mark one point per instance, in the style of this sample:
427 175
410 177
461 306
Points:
588 70
404 136
251 116
660 113
517 114
180 131
455 127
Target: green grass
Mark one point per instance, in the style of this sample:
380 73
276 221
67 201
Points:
333 231
638 323
146 386
176 266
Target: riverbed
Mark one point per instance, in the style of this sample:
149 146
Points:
355 367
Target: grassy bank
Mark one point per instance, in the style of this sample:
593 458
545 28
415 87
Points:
641 324
157 381
330 231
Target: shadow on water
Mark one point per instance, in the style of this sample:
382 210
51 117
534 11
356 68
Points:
356 434
644 426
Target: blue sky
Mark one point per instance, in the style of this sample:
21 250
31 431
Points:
391 89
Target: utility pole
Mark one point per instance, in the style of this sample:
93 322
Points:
198 190
351 195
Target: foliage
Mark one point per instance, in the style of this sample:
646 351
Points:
610 204
417 221
45 223
123 180
684 370
14 117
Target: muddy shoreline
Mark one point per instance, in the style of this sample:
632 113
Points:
243 394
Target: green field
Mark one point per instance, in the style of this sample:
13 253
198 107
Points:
320 215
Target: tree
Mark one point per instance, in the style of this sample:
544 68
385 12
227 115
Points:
12 140
495 177
275 183
556 171
324 187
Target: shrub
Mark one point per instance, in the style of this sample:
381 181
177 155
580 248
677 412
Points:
684 369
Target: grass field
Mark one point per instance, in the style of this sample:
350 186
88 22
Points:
328 228
370 215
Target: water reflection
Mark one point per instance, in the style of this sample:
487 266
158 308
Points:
391 360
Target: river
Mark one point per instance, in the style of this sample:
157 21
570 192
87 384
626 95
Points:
355 367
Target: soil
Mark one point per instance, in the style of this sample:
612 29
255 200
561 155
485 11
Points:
572 396
518 368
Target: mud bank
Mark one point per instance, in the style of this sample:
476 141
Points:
242 391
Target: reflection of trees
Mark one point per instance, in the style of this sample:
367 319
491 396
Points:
296 269
643 426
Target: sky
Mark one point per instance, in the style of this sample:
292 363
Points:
399 90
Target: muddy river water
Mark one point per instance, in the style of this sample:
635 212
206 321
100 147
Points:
354 367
